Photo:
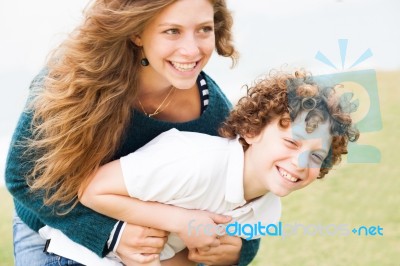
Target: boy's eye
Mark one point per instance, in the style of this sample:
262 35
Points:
317 157
291 142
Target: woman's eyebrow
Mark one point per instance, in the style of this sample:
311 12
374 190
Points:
173 24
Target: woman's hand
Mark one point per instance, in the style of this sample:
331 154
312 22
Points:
140 244
180 259
198 229
227 253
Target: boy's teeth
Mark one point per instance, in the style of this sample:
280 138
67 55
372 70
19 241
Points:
183 67
287 175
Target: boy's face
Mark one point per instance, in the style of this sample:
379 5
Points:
282 160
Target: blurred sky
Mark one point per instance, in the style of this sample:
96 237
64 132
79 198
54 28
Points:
268 34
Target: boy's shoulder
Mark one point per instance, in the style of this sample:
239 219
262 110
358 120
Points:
190 138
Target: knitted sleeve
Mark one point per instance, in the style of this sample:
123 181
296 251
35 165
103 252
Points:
82 225
249 251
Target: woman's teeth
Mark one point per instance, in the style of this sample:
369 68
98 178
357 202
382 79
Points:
287 176
184 67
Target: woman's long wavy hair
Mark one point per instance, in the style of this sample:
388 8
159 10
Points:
82 110
285 96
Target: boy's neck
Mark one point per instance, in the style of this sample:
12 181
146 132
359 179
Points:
252 187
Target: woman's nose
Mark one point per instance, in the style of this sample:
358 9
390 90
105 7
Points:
189 46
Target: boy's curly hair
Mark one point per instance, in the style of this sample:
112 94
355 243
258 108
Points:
286 95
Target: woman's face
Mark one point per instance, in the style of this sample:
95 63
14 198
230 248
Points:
178 43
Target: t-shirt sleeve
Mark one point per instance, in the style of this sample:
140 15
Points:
160 170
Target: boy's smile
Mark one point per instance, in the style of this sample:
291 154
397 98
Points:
282 160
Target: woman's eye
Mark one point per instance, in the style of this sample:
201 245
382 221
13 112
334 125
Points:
172 31
206 29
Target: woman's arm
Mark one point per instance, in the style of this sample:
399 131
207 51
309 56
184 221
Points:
94 229
227 253
106 193
249 251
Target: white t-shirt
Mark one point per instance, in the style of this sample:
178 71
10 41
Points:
185 169
195 171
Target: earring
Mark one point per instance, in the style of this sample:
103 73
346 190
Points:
144 62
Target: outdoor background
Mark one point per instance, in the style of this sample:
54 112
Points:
270 34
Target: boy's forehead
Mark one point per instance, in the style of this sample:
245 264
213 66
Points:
321 131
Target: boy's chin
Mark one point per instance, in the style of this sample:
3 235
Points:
281 193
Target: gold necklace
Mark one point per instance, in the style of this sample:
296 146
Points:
158 110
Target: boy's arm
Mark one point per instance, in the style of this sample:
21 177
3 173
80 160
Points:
106 193
110 180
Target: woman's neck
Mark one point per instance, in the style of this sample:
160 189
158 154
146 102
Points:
179 105
152 85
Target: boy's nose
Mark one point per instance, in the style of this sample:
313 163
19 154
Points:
301 160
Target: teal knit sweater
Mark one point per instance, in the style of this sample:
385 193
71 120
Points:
83 225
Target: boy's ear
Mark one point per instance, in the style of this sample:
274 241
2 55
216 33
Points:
136 39
252 138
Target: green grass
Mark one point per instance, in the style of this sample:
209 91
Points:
6 251
353 194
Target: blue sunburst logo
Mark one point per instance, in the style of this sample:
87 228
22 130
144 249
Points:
343 52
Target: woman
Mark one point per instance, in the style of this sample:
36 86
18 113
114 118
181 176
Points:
130 71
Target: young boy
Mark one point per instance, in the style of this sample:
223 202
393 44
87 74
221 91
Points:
287 132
